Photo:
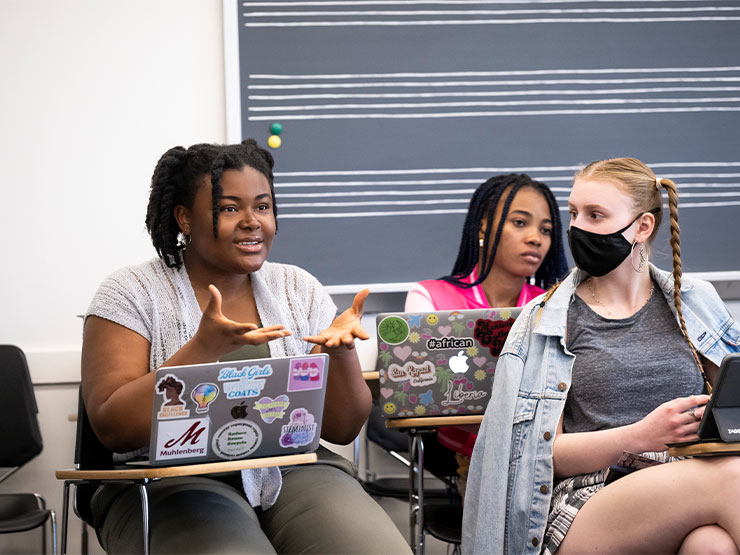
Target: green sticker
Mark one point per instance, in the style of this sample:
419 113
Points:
393 330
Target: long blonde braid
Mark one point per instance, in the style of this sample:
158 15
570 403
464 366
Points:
675 241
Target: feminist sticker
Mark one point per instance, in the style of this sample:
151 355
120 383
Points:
300 430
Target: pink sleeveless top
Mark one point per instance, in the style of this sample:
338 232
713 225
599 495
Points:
446 296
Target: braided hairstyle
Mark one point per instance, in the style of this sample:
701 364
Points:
178 175
483 205
639 181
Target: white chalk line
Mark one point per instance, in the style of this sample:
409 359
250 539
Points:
524 21
502 113
493 103
510 82
474 94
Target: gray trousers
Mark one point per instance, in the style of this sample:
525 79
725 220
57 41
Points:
320 509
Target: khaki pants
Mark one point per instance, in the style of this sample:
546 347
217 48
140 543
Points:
320 509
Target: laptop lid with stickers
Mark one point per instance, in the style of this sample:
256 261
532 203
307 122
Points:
238 409
439 363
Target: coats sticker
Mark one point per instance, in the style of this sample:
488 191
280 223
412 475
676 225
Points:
248 381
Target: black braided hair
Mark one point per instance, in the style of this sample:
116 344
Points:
178 175
483 205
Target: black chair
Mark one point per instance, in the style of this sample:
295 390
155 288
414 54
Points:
20 437
442 506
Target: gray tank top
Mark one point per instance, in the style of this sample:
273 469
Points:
625 368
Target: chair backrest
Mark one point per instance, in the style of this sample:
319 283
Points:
90 454
20 434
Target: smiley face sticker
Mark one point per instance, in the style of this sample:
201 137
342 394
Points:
389 408
393 330
432 319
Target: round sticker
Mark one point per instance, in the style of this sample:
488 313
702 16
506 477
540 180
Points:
236 439
393 330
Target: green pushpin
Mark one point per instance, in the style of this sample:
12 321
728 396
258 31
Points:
276 128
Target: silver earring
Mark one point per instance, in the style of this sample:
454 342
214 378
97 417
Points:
642 253
480 242
183 240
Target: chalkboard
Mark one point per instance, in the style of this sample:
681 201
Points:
393 112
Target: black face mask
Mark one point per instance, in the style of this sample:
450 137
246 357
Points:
598 254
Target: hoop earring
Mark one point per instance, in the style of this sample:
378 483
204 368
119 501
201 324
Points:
183 240
643 257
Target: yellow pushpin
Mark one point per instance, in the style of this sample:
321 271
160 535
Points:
274 141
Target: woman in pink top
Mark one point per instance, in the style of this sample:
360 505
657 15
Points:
512 235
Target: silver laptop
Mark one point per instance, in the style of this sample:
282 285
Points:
439 363
238 409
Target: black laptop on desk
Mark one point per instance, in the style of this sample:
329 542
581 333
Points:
719 429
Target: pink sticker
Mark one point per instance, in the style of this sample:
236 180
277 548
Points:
444 330
386 392
402 352
306 374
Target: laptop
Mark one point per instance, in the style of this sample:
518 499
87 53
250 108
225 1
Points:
439 363
237 409
721 420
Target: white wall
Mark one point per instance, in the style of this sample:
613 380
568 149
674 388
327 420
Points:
94 91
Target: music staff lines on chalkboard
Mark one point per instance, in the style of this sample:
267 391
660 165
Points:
701 185
399 14
556 92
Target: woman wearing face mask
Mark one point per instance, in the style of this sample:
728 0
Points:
617 358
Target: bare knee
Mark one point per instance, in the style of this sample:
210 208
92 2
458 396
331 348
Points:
708 540
725 478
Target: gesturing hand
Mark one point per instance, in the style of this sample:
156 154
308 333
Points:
672 422
345 327
221 335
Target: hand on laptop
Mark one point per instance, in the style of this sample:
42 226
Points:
674 421
345 327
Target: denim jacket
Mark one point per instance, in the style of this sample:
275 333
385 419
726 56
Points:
511 473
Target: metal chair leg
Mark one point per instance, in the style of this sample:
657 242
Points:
65 516
145 516
84 547
53 517
420 494
413 505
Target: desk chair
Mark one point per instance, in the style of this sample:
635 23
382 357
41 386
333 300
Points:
20 437
444 523
94 466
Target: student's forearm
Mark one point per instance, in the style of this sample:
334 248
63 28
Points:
584 452
348 398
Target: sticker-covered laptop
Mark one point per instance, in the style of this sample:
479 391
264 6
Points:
237 409
439 363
